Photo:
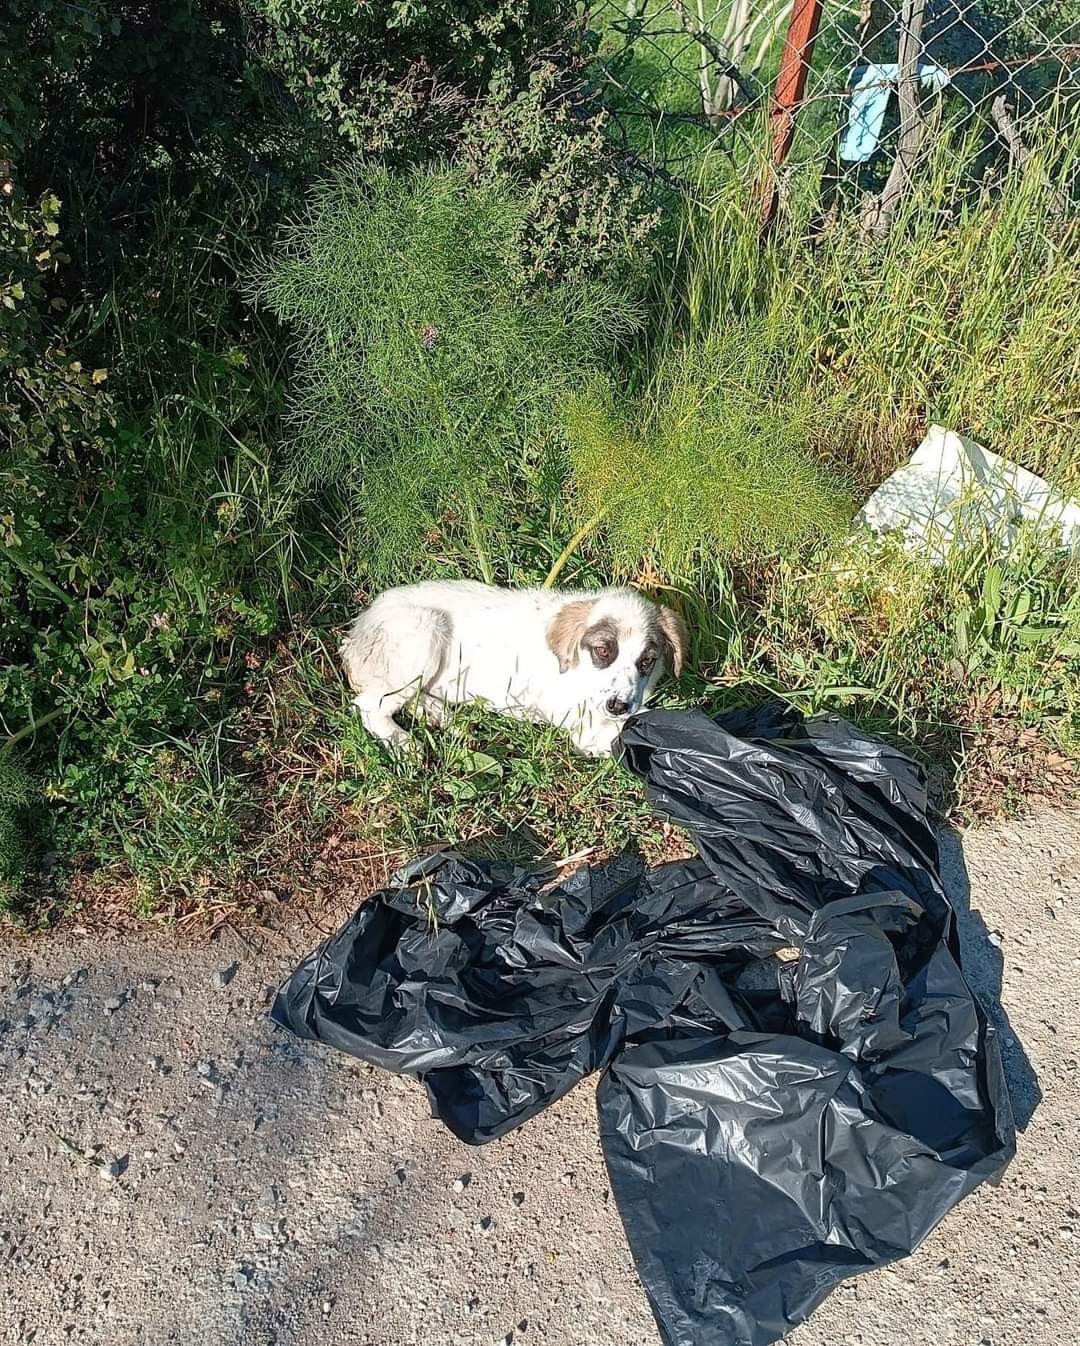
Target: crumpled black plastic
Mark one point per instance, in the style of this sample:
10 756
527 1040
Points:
770 1125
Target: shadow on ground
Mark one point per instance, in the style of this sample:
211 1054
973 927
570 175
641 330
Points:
983 965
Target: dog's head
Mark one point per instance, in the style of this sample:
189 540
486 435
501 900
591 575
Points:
622 642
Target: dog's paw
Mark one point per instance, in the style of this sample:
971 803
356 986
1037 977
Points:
402 747
597 741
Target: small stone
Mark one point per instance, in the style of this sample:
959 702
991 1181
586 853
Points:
149 985
263 1232
75 977
568 1180
485 1223
326 1307
996 938
401 1176
519 1198
462 1182
156 1064
112 1170
225 975
113 1004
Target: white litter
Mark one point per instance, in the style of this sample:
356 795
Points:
953 490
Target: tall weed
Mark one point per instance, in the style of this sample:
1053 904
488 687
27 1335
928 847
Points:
713 463
964 314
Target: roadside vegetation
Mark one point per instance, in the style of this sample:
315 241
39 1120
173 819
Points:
297 302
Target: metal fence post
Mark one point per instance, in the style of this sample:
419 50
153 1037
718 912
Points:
788 94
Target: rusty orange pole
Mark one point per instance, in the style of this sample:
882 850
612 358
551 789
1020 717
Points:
788 94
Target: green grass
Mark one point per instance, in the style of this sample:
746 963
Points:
916 650
963 315
186 834
974 667
481 782
650 68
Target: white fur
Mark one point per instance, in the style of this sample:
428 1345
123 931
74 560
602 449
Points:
424 646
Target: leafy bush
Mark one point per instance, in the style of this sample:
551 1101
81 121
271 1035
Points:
397 80
584 215
151 541
141 537
428 365
501 88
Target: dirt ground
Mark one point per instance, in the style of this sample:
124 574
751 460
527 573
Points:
175 1170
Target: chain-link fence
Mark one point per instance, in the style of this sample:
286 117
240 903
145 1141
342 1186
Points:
859 90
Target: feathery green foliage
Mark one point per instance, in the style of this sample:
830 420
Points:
714 462
427 365
16 793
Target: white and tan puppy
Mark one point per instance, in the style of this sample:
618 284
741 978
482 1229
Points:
582 661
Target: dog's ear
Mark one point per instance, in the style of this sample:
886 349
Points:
676 638
565 631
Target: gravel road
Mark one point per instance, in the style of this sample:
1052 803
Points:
175 1170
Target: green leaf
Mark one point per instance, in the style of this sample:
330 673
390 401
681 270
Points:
480 764
1036 635
1019 608
961 625
991 595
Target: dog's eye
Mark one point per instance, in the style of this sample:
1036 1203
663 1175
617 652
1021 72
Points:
647 662
602 652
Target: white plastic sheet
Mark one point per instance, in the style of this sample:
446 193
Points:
953 489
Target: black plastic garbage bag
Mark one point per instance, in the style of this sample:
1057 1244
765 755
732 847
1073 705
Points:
771 1124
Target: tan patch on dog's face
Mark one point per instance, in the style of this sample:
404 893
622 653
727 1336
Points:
570 634
565 633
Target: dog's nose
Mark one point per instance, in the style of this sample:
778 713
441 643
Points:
614 705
